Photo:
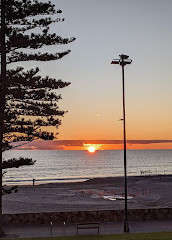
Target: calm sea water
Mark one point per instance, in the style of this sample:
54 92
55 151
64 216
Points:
63 166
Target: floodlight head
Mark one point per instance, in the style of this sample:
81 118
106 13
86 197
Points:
115 61
124 62
122 56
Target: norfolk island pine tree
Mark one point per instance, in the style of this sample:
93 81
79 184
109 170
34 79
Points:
28 101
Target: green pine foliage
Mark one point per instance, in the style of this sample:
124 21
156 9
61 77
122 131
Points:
31 101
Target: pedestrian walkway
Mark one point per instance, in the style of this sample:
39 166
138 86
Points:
70 229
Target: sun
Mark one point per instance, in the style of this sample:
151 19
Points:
91 149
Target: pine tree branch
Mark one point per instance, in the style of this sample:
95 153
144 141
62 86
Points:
16 163
9 190
21 57
30 80
27 24
35 40
17 10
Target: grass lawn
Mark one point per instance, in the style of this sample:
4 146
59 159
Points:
131 236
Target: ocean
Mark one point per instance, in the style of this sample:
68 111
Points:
68 166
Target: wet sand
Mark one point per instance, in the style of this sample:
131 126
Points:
94 194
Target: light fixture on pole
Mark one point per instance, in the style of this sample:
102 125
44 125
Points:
124 61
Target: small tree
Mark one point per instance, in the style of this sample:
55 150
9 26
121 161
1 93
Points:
28 100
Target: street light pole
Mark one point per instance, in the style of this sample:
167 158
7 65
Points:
126 227
123 61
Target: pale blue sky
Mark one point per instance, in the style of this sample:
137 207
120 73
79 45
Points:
104 29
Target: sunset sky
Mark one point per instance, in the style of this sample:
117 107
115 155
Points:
103 30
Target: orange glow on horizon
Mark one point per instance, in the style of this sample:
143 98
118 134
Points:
93 146
120 146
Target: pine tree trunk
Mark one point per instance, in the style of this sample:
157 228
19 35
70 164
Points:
2 100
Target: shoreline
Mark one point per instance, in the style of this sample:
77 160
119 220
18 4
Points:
38 182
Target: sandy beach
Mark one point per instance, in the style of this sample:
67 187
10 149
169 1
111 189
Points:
94 194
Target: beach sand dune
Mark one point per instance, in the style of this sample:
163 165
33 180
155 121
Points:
94 194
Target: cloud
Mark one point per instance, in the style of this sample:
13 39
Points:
81 144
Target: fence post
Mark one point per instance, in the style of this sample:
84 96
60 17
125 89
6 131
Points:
64 228
51 229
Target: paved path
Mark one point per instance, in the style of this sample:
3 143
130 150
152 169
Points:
70 230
